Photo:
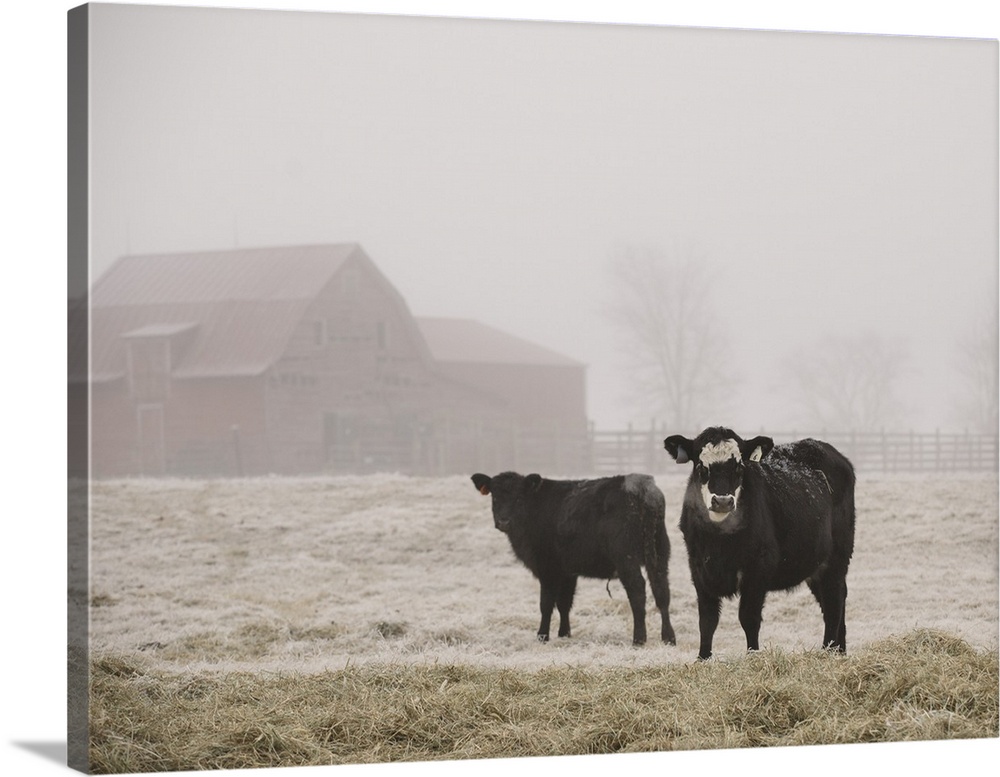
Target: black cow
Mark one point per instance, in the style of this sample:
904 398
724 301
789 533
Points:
604 528
759 517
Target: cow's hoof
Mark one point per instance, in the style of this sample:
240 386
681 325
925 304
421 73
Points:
638 642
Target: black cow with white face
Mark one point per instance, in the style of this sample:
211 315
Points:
602 528
759 517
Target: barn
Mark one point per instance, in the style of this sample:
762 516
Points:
306 359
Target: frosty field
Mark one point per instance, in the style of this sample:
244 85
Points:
312 574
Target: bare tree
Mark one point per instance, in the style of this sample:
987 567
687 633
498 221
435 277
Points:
848 383
976 361
677 362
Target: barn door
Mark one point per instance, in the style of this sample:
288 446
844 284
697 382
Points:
151 454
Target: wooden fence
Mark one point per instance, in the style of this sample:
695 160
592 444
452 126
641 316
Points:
636 450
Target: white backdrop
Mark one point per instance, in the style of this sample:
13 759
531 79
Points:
33 51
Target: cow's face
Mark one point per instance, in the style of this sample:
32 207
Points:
510 493
720 459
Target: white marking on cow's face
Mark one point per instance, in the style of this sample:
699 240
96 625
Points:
725 455
716 454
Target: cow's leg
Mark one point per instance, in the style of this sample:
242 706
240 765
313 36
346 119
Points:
564 601
831 593
842 631
708 621
817 591
834 590
751 606
550 590
658 582
635 587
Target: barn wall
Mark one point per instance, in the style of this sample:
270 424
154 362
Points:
348 392
298 426
211 427
113 432
356 391
547 429
216 426
552 393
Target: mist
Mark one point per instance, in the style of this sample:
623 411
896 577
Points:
832 188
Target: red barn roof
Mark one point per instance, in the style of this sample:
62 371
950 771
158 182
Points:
285 274
240 306
236 311
467 341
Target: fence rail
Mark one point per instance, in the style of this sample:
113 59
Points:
642 450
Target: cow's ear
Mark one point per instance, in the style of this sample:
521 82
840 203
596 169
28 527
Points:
482 483
756 449
533 482
679 447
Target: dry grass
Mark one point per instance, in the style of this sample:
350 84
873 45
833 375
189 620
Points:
274 622
925 685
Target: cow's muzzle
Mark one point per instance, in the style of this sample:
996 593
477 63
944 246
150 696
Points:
502 525
723 504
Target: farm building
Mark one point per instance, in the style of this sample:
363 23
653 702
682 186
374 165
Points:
306 359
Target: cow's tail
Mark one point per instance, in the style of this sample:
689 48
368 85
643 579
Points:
847 510
841 477
646 502
651 511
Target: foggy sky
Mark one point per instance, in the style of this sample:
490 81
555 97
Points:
829 183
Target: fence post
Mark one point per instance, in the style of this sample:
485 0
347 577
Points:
238 453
